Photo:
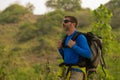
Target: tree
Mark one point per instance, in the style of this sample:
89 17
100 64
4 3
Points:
102 27
114 6
12 13
30 7
67 5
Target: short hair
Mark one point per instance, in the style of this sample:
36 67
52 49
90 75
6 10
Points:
73 19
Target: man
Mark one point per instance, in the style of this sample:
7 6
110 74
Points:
75 50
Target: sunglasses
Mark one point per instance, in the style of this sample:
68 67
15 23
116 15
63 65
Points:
66 21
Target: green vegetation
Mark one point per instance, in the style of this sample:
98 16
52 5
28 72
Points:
101 25
12 14
66 5
102 17
114 6
28 42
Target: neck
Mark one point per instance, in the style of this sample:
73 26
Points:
70 31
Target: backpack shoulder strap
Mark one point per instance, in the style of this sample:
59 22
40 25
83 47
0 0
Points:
76 35
73 38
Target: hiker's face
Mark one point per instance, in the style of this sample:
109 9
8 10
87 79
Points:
67 24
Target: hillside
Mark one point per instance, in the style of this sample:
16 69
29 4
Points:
22 46
28 43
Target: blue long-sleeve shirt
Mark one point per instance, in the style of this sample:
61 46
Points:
78 50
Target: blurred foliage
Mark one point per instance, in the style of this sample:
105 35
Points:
13 13
28 45
114 6
48 22
1 50
30 7
85 18
101 25
27 32
102 28
66 5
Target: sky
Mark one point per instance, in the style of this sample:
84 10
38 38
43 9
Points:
40 7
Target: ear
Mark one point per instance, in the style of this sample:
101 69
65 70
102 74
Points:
74 24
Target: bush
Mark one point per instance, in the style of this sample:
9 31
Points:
27 31
12 14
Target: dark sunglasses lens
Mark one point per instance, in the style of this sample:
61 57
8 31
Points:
66 21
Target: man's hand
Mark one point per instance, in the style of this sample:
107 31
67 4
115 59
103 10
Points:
71 43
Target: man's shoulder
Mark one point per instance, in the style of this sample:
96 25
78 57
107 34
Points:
80 36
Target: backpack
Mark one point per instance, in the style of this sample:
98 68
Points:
95 44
